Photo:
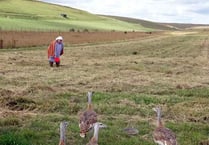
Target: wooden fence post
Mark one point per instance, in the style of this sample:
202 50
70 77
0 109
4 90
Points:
1 44
13 43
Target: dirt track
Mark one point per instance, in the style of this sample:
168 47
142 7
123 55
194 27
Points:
13 39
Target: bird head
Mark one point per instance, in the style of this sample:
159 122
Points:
100 125
157 109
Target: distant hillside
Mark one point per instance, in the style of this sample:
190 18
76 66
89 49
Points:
184 26
156 25
36 15
144 23
33 15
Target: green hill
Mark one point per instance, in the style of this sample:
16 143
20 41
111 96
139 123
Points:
144 23
36 15
159 26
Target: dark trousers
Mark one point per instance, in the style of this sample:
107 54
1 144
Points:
51 64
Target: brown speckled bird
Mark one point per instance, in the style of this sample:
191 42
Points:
94 139
163 135
87 118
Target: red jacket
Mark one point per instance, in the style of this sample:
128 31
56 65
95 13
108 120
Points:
51 49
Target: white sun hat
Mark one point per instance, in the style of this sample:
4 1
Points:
59 38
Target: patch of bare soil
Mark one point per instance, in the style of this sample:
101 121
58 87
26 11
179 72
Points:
20 104
38 88
204 142
6 93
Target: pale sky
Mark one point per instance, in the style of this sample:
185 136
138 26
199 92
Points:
171 11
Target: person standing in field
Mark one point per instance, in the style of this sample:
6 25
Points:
55 50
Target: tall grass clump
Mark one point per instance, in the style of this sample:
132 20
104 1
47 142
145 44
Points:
11 138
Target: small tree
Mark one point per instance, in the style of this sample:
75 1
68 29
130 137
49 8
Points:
64 15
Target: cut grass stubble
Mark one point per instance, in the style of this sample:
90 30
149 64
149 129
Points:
129 78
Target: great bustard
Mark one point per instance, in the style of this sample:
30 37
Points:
87 118
163 135
63 126
94 139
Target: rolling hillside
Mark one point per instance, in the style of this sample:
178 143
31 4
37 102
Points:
159 26
144 23
185 26
33 15
36 15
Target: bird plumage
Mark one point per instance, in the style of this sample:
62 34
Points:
63 127
94 139
87 118
163 135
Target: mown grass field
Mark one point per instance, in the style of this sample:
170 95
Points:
129 79
33 15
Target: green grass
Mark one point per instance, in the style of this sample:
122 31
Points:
39 16
14 139
170 71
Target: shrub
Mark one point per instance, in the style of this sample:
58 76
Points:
72 30
85 30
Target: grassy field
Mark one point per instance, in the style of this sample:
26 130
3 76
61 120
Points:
129 79
39 16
